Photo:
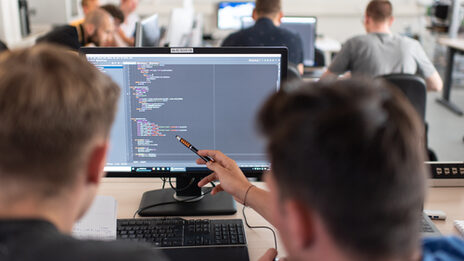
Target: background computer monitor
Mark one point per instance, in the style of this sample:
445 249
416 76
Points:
147 33
209 96
303 26
306 28
229 14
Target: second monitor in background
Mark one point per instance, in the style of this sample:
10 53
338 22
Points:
305 27
148 33
230 13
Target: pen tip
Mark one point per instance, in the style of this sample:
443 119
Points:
177 137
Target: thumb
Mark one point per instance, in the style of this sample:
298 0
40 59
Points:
269 255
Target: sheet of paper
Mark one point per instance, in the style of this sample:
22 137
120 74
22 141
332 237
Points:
99 222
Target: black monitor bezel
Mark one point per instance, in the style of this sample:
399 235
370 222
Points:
283 51
217 13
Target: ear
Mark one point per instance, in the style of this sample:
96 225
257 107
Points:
390 21
96 163
301 223
255 15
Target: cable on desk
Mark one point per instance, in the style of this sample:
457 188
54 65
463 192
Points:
259 227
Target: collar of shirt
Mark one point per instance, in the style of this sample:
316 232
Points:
264 22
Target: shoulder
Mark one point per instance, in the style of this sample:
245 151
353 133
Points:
359 39
443 249
236 38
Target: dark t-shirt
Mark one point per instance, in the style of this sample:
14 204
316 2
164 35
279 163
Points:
65 35
28 240
265 33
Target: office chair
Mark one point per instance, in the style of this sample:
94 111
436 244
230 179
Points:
415 89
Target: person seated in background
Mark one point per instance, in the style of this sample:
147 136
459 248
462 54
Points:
56 111
380 52
347 179
87 7
97 30
266 32
127 31
118 18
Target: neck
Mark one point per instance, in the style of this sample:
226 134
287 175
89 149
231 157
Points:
62 210
382 28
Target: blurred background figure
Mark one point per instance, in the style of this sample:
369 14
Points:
127 31
96 30
87 7
118 18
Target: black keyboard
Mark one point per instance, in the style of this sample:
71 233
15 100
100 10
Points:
178 232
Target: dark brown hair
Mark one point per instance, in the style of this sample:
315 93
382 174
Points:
268 7
352 151
53 105
379 10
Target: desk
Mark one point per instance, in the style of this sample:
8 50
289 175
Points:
454 46
128 193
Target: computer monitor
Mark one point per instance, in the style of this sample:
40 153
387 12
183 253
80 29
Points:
303 26
181 26
147 32
209 96
229 14
306 28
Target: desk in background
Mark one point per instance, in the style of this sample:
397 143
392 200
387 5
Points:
128 193
454 46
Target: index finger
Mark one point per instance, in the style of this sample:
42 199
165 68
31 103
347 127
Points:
217 156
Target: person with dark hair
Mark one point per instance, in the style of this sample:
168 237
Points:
347 178
119 18
380 52
56 113
97 30
266 32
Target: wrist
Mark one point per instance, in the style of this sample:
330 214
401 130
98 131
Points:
246 197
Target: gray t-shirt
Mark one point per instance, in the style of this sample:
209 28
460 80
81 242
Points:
378 54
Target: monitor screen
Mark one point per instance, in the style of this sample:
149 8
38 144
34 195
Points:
306 28
230 13
147 33
303 26
209 97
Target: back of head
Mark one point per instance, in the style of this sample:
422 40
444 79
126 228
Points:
53 106
97 17
353 152
379 10
268 7
114 11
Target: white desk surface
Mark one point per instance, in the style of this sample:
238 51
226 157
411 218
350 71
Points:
128 193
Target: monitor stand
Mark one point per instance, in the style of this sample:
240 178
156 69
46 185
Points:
204 205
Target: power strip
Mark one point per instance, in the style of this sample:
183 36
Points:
446 174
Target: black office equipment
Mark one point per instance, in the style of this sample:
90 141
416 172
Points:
178 238
415 89
209 96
